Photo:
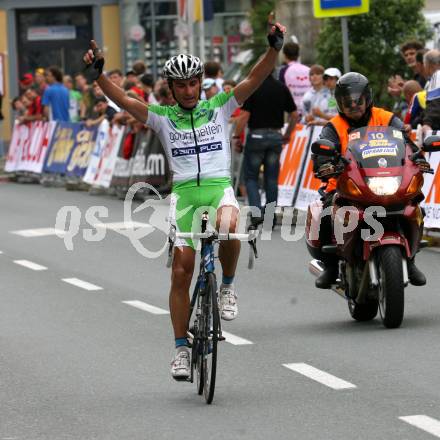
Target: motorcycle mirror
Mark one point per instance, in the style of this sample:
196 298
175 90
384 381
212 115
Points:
431 144
324 147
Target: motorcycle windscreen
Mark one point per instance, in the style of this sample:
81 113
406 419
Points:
377 147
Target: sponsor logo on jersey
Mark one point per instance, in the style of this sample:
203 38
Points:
189 151
207 130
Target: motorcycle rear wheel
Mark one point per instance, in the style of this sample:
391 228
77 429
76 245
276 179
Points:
391 285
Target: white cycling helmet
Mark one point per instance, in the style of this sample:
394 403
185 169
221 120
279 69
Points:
183 67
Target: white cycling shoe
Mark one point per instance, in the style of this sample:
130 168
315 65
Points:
181 364
228 302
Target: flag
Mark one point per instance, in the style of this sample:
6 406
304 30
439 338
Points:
208 10
182 9
197 10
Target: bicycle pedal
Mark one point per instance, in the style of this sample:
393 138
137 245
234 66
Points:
221 338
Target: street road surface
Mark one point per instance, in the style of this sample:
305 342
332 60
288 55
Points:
86 342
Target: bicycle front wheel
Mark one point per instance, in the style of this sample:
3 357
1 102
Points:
210 339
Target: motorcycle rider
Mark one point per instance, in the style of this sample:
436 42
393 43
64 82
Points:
355 107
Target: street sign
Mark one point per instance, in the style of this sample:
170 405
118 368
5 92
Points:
339 8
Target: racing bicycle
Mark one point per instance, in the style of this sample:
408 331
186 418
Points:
205 329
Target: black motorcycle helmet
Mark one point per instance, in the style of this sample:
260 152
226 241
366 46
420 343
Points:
353 86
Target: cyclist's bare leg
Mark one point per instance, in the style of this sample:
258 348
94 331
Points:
229 250
181 275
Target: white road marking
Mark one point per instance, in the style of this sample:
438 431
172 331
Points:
235 340
147 307
320 376
1 252
30 265
229 337
39 232
426 423
118 226
80 283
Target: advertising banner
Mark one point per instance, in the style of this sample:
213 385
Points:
85 140
61 148
101 141
291 160
19 136
431 190
149 162
308 189
124 163
35 151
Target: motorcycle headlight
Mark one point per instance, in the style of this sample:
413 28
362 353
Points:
384 186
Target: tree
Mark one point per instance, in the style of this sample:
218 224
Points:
375 40
258 18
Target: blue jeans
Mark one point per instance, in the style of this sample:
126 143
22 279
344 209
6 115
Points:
263 147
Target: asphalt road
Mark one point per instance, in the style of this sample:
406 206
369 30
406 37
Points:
79 362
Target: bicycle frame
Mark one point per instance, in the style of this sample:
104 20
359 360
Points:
206 263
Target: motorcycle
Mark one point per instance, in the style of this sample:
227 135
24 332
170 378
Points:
377 223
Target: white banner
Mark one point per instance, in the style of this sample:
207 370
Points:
28 146
308 190
41 135
431 190
101 141
19 136
102 163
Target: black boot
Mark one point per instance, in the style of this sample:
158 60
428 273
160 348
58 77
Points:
327 277
415 276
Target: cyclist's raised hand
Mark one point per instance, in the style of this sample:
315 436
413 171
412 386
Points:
276 33
94 63
94 60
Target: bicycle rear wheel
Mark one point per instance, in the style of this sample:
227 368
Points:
210 337
197 360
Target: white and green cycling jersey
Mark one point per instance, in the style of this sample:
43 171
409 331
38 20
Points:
196 141
198 149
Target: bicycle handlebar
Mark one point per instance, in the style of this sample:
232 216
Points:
250 237
216 235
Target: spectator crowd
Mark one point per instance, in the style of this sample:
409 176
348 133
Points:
417 94
295 93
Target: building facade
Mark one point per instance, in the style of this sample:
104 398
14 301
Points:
40 33
152 32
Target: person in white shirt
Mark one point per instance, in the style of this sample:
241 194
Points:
431 118
315 100
331 76
209 87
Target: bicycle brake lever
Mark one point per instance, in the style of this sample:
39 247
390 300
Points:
416 155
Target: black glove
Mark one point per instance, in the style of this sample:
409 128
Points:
423 165
276 39
326 170
93 71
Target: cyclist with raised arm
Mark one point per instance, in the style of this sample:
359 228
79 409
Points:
194 134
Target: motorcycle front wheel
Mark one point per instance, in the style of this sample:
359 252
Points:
363 312
391 285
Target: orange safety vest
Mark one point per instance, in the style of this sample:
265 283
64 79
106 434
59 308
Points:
379 117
